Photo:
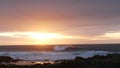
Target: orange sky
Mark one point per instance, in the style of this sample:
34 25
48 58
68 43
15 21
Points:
76 21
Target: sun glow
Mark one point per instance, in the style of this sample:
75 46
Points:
44 36
38 37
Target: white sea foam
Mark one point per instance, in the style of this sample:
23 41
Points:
59 48
53 55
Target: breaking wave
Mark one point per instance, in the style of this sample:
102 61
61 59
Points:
53 55
60 48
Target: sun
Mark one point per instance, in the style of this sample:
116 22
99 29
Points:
39 37
44 36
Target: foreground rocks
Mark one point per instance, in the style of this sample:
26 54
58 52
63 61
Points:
108 61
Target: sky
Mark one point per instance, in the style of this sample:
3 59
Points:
59 21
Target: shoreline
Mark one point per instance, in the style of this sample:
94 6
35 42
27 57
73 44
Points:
30 62
107 61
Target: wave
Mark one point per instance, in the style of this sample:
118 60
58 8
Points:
53 55
60 48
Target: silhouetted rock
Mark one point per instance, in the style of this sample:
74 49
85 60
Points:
108 61
79 58
5 59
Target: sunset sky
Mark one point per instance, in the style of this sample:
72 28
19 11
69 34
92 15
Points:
59 21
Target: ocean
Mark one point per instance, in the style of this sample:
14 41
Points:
57 52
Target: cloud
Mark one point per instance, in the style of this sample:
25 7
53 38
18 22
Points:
55 38
35 38
35 35
108 36
85 19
